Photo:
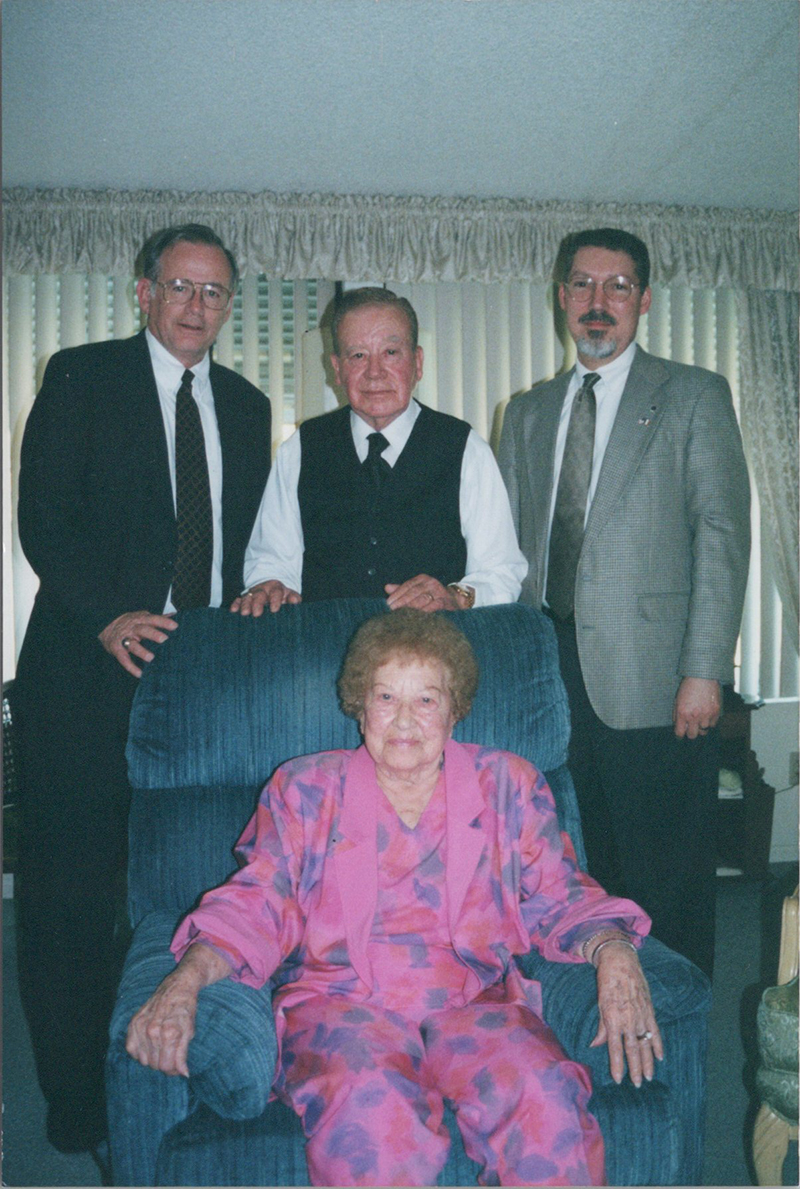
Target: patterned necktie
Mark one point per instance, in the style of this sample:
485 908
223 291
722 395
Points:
377 467
191 582
566 535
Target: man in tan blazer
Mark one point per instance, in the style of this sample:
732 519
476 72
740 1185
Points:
630 495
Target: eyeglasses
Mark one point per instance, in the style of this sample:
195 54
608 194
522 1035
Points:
617 289
180 293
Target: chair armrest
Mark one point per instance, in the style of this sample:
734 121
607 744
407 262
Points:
569 1001
143 1105
232 1055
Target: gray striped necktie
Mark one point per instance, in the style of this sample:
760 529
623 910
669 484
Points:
566 535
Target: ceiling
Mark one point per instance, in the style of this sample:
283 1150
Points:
693 102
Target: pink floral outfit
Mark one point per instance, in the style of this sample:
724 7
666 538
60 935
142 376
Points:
392 950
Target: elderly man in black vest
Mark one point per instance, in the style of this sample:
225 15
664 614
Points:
385 498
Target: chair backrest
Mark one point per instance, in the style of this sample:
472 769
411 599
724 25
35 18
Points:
227 699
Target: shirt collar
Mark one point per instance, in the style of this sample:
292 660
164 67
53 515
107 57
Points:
397 432
171 369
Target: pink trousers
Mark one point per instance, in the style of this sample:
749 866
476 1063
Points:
370 1088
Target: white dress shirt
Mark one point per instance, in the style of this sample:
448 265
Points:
495 565
168 372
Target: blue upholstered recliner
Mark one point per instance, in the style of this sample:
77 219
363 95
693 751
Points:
224 702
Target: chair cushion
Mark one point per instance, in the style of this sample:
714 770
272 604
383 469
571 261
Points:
270 1150
777 1076
779 1090
213 672
777 1027
642 1130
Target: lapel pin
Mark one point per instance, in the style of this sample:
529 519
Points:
647 420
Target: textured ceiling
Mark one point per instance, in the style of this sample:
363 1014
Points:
668 101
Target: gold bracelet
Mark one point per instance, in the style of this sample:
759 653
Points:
466 592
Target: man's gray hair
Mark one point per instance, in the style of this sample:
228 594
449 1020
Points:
614 239
368 295
148 262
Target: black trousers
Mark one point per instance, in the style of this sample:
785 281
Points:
647 802
70 725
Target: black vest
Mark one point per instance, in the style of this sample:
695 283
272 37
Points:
355 544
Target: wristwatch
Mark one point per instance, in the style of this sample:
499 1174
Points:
467 593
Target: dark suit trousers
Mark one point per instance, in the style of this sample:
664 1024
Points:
71 718
647 802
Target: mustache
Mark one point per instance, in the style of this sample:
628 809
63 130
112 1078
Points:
598 316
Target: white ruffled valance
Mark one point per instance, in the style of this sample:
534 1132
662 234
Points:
364 238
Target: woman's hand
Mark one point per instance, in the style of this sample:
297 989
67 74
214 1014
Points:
627 1023
159 1033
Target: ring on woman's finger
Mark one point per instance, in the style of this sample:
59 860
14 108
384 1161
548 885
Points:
126 642
644 1035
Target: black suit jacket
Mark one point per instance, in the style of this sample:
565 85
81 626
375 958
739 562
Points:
96 513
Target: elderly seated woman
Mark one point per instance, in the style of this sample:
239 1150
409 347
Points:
385 891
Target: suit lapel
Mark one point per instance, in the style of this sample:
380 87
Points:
541 430
141 395
226 410
466 841
638 417
356 859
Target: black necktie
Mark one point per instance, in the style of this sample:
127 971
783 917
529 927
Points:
191 582
376 466
566 535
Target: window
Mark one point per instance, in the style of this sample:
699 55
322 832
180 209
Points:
482 342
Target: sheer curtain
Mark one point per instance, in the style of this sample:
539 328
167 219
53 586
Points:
768 329
477 272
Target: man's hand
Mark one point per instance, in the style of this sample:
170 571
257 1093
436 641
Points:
697 707
424 593
124 635
627 1021
159 1033
272 594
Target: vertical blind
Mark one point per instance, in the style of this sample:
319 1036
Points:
482 343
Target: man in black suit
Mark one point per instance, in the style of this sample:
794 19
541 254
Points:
124 516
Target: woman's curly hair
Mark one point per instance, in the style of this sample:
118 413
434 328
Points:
413 635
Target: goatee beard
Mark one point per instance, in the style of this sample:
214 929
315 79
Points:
596 348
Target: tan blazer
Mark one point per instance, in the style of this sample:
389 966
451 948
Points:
662 572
